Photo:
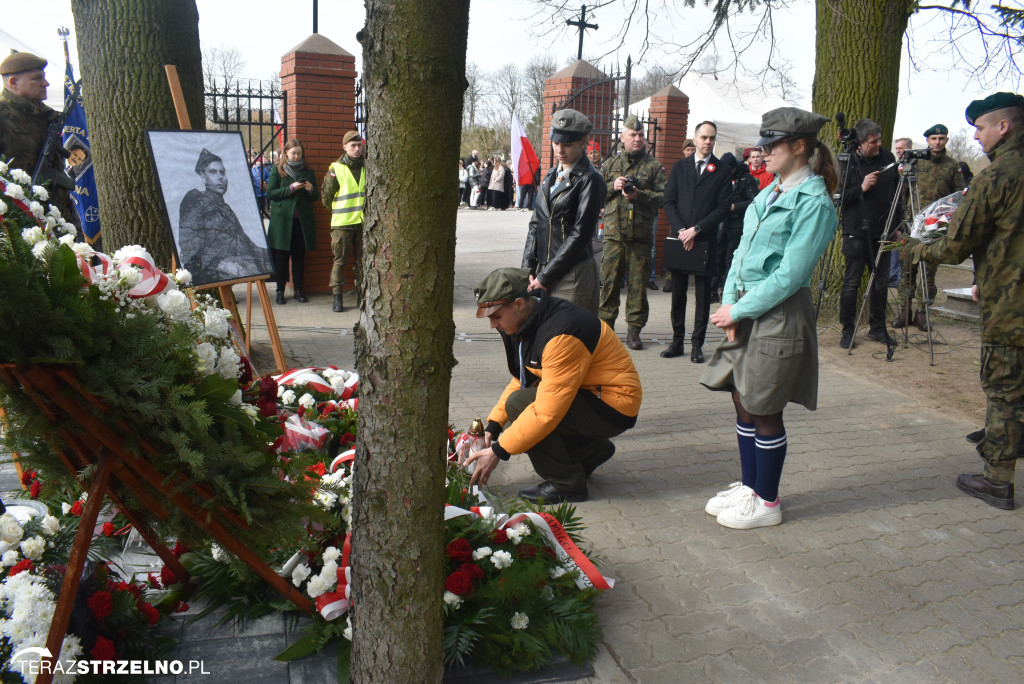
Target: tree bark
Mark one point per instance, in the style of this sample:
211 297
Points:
124 47
858 47
414 57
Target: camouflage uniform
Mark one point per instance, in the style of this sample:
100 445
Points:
628 235
936 178
989 225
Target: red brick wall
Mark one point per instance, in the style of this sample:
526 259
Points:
321 109
671 108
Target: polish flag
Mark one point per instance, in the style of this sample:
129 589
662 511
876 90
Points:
524 159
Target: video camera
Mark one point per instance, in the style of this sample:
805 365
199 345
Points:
847 136
916 154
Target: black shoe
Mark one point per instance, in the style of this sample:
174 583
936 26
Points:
697 355
878 336
651 285
604 452
976 436
550 494
992 493
280 297
337 307
667 287
901 320
846 341
675 349
633 339
300 297
716 297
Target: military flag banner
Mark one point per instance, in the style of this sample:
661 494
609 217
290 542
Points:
524 159
75 138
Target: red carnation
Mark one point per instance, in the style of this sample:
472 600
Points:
154 581
102 604
318 468
451 434
108 529
526 551
25 564
180 607
179 549
104 649
147 611
76 508
473 570
460 550
499 536
459 583
346 439
33 491
167 576
28 476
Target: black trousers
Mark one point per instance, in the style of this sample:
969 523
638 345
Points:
298 258
728 241
860 254
680 282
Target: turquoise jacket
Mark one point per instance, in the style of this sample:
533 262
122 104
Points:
779 247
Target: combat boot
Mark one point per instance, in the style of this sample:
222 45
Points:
633 339
901 320
920 321
338 306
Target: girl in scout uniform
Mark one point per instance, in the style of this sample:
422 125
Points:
770 355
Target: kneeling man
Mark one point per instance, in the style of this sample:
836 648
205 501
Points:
573 387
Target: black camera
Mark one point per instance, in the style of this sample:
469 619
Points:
916 154
847 136
629 186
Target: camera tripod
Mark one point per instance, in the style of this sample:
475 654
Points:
908 179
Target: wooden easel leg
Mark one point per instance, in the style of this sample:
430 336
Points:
268 316
14 457
73 573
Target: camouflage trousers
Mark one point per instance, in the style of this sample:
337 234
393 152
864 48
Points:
634 258
1002 380
911 280
345 241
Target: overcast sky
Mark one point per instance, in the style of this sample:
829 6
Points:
502 31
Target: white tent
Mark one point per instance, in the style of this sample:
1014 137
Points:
735 106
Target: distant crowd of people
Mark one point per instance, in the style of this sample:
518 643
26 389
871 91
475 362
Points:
491 184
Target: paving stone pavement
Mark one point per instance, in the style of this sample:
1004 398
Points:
882 571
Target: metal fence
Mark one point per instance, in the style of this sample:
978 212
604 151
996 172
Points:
257 109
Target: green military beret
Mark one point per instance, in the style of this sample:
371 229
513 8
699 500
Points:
991 104
500 287
568 125
21 61
937 129
350 136
206 157
632 122
789 122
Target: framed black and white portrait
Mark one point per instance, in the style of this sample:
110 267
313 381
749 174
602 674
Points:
210 205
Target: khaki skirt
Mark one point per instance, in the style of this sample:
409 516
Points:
772 361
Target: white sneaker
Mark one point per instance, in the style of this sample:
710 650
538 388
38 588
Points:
725 498
751 511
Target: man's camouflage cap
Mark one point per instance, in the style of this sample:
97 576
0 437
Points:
789 122
937 129
632 122
992 103
500 287
19 62
568 125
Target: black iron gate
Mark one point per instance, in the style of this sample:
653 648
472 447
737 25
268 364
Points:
257 109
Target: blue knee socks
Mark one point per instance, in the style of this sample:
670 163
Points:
769 454
748 465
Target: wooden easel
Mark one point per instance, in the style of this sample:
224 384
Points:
227 297
95 443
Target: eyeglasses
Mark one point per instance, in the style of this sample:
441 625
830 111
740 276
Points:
766 149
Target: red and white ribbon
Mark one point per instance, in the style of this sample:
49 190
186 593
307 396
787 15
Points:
299 433
92 273
343 458
333 604
568 553
154 281
305 376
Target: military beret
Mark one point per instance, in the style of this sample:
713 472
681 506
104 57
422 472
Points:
500 287
789 122
350 136
937 129
688 143
593 146
21 61
746 153
568 125
206 157
992 103
632 122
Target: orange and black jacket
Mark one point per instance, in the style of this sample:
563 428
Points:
565 351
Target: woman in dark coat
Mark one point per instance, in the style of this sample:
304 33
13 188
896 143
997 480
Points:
291 189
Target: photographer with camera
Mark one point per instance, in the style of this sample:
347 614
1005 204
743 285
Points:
938 175
867 198
636 187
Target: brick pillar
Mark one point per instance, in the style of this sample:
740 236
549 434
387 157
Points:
320 79
670 107
597 103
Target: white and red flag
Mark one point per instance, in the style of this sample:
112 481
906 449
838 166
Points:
524 159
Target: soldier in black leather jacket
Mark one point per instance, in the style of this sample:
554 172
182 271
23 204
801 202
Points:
558 249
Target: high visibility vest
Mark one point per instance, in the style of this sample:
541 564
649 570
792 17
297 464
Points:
350 200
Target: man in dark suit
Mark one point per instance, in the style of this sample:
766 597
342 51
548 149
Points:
696 200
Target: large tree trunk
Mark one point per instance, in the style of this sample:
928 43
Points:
124 47
858 46
414 57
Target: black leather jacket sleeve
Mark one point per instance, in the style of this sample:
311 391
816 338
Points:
578 228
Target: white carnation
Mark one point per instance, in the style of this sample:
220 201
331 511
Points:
207 354
3 208
182 276
82 249
40 192
33 548
482 552
50 525
317 586
65 508
228 363
40 248
20 176
299 574
3 167
68 240
520 621
10 530
288 397
36 209
14 191
128 277
32 235
66 227
453 600
307 400
501 559
216 322
175 304
331 553
53 212
129 251
347 633
9 558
